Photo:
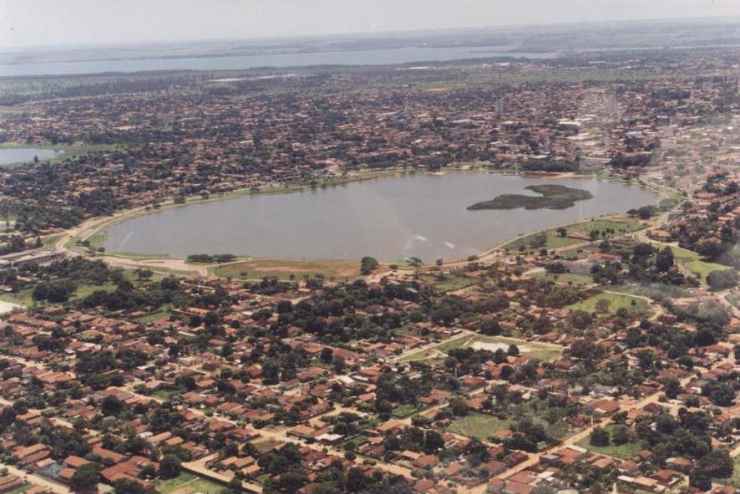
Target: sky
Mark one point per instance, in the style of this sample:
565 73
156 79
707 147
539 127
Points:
101 22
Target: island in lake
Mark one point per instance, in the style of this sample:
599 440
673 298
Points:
551 197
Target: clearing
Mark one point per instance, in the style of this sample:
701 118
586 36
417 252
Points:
187 483
694 263
615 301
578 233
479 426
540 351
624 451
287 270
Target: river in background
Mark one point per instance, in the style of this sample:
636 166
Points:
421 215
386 56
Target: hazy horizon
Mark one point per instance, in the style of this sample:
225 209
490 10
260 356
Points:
47 23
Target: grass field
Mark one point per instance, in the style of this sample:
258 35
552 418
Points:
616 301
624 451
403 411
266 445
478 425
552 241
735 480
51 240
187 483
539 351
284 270
19 490
579 232
162 313
23 297
567 278
694 263
450 282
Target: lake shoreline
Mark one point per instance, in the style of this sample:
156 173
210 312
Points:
94 227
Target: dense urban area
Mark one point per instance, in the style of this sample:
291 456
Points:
597 357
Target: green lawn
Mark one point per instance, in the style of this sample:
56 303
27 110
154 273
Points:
187 483
165 394
735 480
553 240
403 411
449 282
23 297
162 313
87 289
51 240
619 226
616 301
478 425
694 263
285 269
624 451
567 278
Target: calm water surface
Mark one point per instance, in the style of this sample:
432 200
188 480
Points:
11 156
421 215
349 57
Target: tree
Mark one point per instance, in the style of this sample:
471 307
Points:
672 388
664 260
602 305
599 437
368 265
621 435
327 355
111 405
490 327
459 407
433 441
86 478
127 486
717 464
170 467
700 480
356 480
562 232
721 394
290 482
270 372
722 279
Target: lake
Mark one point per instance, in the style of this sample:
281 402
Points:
12 156
420 215
386 56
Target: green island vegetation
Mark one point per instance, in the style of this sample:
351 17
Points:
552 196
